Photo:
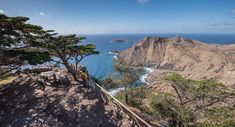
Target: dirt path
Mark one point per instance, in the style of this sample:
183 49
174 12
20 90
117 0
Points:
23 105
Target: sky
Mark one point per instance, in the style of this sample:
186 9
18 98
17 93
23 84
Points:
126 16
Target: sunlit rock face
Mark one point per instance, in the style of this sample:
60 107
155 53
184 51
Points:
191 58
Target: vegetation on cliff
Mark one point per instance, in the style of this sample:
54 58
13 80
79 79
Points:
187 102
127 77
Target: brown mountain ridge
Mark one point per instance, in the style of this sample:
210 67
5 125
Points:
188 57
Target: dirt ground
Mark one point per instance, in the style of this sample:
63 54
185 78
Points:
21 104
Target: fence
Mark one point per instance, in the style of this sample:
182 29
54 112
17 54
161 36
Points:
135 120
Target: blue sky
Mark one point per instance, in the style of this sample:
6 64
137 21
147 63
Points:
126 16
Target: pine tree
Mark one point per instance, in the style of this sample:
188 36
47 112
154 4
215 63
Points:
66 50
23 44
16 39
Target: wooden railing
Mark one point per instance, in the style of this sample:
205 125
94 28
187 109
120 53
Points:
119 108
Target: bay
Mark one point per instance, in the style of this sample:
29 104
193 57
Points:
101 65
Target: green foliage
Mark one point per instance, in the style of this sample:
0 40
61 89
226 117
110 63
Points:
109 83
67 50
67 46
221 116
14 30
34 57
22 44
120 96
206 89
139 92
190 99
227 123
136 96
165 106
128 76
16 38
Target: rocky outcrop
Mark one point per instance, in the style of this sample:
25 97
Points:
191 58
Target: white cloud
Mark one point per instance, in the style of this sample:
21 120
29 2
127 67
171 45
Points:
42 13
143 1
2 12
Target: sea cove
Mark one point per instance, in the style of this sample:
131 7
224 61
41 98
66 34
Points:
101 65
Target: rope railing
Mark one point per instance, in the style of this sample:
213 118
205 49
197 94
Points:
135 120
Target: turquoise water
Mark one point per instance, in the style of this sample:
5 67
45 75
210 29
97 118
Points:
102 65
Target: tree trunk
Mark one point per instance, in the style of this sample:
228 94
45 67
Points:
70 70
126 96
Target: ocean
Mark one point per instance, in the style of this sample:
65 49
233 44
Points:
101 65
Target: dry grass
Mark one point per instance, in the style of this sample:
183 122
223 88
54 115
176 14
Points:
7 80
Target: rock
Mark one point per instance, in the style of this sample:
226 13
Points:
115 51
188 57
119 40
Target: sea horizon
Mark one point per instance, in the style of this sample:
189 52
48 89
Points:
147 33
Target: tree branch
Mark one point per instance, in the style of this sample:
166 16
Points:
178 94
11 69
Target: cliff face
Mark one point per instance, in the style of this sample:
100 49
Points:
188 57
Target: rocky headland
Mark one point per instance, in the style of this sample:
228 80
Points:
190 58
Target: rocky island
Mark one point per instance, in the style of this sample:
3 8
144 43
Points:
191 58
119 40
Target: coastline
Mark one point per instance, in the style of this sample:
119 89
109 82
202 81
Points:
144 77
113 92
114 54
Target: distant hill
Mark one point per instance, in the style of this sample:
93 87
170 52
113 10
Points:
188 57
